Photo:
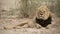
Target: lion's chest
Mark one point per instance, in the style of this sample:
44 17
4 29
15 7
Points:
44 23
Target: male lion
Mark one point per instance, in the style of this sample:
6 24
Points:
43 16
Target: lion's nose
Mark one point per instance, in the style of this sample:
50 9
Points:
41 14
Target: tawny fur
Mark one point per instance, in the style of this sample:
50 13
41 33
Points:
43 12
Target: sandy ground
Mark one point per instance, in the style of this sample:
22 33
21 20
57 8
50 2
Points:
30 31
8 22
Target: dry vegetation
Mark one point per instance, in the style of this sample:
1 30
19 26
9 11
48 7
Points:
16 12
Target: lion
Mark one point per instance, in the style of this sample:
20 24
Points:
43 16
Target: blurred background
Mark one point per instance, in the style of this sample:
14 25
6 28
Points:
18 8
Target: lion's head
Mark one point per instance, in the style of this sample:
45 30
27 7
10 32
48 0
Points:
43 12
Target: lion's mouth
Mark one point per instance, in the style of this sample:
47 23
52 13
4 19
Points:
41 17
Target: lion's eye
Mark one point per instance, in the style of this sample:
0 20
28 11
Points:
39 11
43 11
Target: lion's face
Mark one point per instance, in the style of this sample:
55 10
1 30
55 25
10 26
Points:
43 13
